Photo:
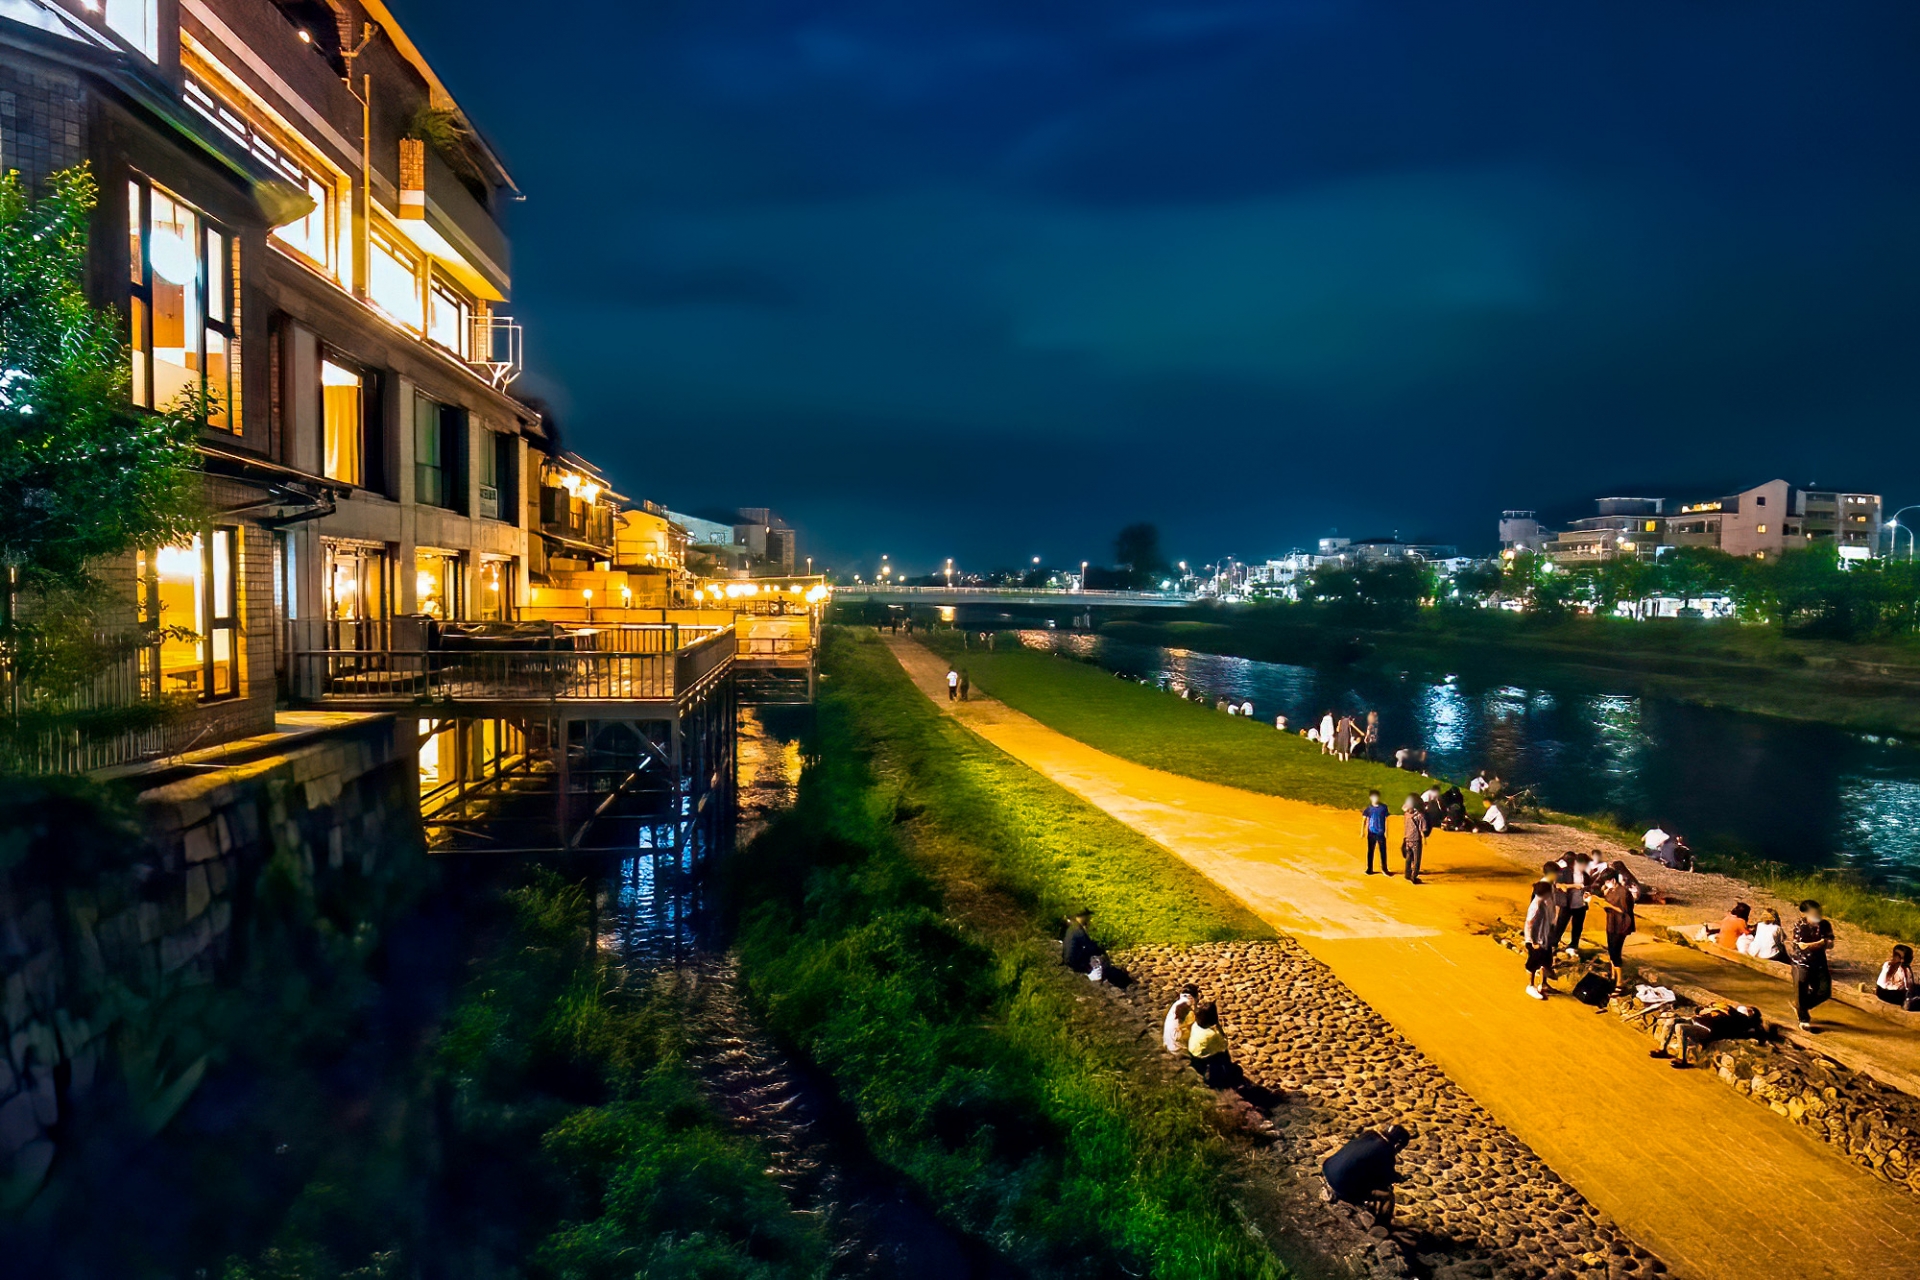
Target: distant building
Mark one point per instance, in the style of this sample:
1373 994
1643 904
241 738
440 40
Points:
1376 551
1758 522
751 540
1522 531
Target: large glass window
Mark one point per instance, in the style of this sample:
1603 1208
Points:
493 591
449 319
342 408
184 303
439 454
436 584
393 281
315 236
135 21
194 590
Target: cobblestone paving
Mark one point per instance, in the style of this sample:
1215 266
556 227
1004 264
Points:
1478 1202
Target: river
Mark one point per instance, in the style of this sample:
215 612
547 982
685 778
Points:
1807 795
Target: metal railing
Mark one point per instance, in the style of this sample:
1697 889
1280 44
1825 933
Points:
865 590
595 665
774 646
48 728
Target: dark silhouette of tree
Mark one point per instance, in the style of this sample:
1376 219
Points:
1136 551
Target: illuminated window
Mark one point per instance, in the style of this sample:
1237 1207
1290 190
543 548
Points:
184 307
436 584
137 22
315 236
393 283
493 591
449 319
1759 528
342 412
193 590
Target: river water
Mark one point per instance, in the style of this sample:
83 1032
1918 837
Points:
1803 794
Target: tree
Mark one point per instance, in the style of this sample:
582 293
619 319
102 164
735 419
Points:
1136 549
84 475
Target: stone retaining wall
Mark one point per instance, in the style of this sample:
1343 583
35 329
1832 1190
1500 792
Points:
102 919
1478 1202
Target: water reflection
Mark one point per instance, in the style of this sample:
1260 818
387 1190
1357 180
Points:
1807 795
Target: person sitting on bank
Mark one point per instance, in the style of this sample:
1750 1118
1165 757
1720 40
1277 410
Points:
1207 1048
1495 818
1078 950
1767 940
1479 783
1280 723
1667 849
1363 1172
1714 1022
1179 1023
1734 927
1894 986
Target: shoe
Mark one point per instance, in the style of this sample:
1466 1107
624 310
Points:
1680 1065
1806 1026
1536 993
1370 871
1658 1053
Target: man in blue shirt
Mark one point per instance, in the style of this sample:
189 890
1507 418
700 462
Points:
1375 818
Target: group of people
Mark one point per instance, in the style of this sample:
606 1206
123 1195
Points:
1362 1172
1343 737
1568 889
958 686
1420 816
1805 947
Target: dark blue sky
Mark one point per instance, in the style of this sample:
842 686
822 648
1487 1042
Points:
993 279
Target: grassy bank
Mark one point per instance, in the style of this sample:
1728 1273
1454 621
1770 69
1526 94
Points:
554 1132
1139 723
1740 667
899 926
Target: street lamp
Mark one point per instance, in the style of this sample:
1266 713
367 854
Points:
1083 575
1893 523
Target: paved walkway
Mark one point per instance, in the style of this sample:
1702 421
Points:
1713 1184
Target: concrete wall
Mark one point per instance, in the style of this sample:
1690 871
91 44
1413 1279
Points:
96 942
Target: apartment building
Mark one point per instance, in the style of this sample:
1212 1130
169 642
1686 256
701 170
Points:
1763 521
295 216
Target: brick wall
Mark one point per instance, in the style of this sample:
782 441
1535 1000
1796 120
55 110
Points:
43 119
92 958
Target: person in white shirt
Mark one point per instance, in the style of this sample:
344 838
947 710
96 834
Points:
1232 710
1494 818
1764 942
1479 782
1179 1023
1280 723
1894 986
1246 708
953 685
1326 732
1654 838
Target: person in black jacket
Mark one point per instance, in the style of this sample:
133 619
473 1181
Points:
1077 948
1362 1172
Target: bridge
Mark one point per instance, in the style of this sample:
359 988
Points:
863 593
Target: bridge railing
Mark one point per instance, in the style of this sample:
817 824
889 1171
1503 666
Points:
843 593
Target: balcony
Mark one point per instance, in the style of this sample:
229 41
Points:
508 668
489 502
496 349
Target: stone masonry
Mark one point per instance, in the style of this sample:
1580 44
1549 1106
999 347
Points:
1477 1203
78 952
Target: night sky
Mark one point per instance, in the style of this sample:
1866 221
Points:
992 279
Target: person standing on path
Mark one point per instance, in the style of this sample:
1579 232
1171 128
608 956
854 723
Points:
1538 931
1812 939
953 684
1374 823
1413 838
1326 732
1617 900
1372 739
966 686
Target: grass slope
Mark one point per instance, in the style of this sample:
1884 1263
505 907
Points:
899 925
1143 724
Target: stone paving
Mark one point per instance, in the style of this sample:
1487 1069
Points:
1478 1202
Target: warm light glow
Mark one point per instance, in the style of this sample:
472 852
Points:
589 491
587 594
332 375
752 589
818 593
424 583
305 38
178 564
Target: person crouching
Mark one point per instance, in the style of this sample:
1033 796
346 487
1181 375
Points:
1207 1048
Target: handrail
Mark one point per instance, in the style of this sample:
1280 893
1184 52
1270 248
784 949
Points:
521 673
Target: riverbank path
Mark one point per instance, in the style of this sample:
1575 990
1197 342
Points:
1718 1187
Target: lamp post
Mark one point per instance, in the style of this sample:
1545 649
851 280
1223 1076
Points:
1083 575
1893 523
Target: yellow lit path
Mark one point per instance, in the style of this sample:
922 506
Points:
1714 1184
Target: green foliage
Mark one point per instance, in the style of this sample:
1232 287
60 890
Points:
1380 592
1136 550
86 475
899 924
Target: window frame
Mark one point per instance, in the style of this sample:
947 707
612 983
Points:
219 612
140 190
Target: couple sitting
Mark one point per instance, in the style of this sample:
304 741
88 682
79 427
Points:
1764 940
1193 1028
